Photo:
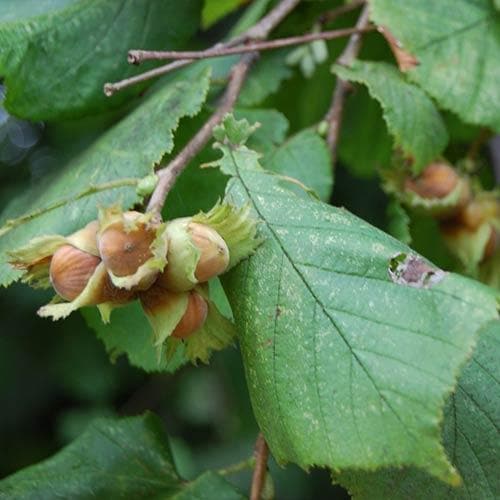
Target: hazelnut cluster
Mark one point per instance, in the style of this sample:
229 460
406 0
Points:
124 256
469 219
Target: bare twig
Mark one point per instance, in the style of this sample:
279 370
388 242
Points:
334 115
331 15
147 55
258 31
168 174
260 471
111 88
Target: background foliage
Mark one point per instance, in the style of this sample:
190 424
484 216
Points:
342 368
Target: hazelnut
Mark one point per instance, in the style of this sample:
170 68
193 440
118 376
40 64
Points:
70 271
436 181
478 211
132 247
214 254
194 317
196 253
124 249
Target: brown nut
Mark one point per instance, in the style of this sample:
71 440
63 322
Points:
124 251
214 253
436 181
194 317
478 211
70 271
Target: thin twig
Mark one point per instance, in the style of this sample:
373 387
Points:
260 471
331 15
168 174
148 55
334 115
111 88
257 32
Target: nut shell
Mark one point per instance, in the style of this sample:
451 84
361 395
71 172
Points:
478 211
70 271
214 253
436 181
123 252
194 317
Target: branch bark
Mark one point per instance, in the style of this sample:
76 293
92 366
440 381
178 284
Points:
334 115
257 32
139 56
168 175
260 470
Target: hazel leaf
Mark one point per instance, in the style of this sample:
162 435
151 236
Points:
116 458
457 44
346 369
411 117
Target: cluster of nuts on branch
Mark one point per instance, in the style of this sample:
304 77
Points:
469 221
124 256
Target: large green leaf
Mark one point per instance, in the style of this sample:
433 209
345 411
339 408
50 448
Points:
470 436
55 62
411 117
346 368
457 43
105 172
305 157
126 458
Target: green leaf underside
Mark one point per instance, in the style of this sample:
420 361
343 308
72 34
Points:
130 333
457 43
125 458
41 86
213 10
128 150
470 437
345 368
305 157
411 117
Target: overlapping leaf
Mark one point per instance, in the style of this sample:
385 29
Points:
365 145
457 43
470 433
411 117
56 61
305 157
345 368
127 458
105 172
